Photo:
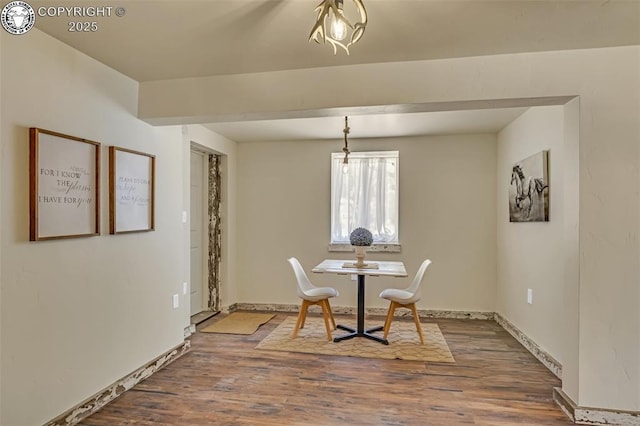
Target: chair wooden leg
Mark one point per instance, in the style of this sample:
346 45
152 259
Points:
387 322
416 319
333 321
325 316
301 317
305 304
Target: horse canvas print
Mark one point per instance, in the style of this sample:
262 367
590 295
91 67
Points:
529 190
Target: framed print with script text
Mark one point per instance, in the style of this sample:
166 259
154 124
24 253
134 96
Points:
64 186
131 190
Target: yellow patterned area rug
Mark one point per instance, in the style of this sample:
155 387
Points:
404 342
238 323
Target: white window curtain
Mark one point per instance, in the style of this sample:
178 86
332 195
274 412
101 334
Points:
365 196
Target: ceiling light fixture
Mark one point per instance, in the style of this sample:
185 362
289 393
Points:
345 162
332 26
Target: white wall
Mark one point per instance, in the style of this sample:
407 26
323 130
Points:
79 314
447 214
530 255
571 234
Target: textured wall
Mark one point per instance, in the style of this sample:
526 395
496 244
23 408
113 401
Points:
447 214
79 314
530 254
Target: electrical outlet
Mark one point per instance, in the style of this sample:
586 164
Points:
176 301
185 288
529 296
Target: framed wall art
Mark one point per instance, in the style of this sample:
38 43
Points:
131 191
64 186
529 189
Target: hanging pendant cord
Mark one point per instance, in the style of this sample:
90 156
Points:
346 142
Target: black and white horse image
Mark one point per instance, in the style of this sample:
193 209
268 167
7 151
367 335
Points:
529 190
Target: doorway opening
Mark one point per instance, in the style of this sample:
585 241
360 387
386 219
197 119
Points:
205 234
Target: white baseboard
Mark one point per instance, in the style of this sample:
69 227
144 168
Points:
547 360
89 406
594 416
349 310
189 330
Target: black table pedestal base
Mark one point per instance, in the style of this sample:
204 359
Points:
366 333
360 331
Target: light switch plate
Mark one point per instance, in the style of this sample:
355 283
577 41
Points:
184 217
176 301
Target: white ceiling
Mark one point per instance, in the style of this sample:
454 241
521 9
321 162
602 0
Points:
370 126
166 39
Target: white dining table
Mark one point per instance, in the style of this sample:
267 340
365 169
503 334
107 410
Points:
346 267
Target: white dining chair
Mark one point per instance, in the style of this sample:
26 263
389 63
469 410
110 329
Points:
406 298
312 295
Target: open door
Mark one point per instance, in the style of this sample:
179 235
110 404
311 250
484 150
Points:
198 235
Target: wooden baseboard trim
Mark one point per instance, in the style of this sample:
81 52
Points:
564 402
349 310
594 416
96 402
547 360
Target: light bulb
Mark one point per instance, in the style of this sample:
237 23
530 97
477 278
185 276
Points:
338 28
345 168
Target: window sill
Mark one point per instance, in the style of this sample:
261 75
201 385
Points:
379 248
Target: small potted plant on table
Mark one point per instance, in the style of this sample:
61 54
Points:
360 239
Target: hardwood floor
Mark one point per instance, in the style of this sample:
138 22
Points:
224 380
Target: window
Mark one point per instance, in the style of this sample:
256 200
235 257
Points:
365 193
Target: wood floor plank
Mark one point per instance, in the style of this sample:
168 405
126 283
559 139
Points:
223 379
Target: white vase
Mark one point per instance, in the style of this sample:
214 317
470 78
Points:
360 253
